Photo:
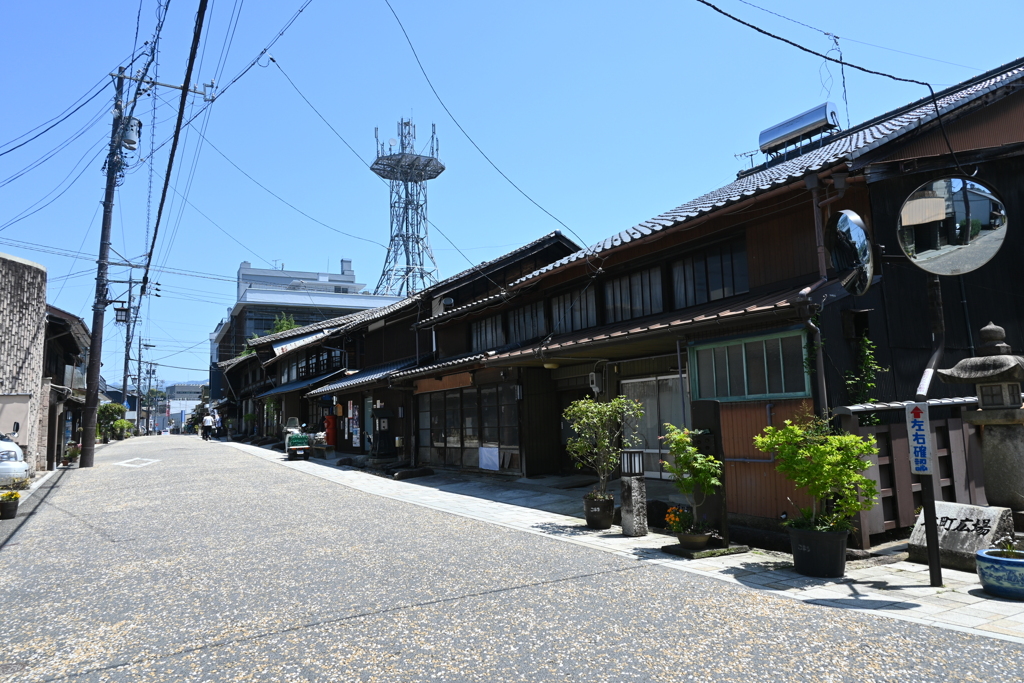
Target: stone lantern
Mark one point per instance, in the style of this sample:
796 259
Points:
998 375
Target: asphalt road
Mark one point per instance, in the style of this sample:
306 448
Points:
209 564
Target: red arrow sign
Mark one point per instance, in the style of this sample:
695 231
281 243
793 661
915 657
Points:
917 412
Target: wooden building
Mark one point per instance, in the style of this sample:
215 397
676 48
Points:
732 298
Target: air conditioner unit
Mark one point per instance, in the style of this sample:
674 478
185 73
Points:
595 383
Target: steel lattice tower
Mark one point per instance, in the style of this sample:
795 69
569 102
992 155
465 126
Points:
409 265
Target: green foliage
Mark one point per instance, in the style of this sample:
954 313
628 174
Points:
862 379
249 417
121 427
828 465
8 496
692 469
812 348
108 414
681 521
1009 547
283 323
601 434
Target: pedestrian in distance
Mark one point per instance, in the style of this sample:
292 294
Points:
207 427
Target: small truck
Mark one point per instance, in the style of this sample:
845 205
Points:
296 444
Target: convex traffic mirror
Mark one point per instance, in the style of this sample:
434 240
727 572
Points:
848 241
951 226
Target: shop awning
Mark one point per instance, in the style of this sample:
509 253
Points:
367 376
300 384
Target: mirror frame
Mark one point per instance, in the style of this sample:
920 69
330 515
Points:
853 276
911 253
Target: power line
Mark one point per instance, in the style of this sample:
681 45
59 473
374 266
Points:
931 90
245 70
200 14
285 201
367 165
23 215
859 42
57 123
459 125
133 56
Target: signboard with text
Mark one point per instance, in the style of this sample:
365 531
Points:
919 438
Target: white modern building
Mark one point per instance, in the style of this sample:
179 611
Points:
264 294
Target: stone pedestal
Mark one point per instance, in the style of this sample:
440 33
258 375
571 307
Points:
963 530
634 506
1002 455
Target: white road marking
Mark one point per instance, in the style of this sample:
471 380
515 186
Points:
136 462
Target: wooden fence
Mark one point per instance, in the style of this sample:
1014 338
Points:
959 479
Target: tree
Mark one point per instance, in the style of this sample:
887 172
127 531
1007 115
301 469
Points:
601 434
107 415
828 465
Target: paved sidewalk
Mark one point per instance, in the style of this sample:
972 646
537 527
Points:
899 590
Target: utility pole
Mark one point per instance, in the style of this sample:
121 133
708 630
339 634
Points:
92 378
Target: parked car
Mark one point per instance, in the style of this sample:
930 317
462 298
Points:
12 459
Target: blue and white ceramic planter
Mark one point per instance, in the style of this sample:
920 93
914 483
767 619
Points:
1001 576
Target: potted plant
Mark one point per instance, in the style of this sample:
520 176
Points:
828 465
1001 569
71 453
9 504
692 534
696 476
122 428
601 434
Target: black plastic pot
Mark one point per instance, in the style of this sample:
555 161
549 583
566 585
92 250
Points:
599 512
8 509
819 553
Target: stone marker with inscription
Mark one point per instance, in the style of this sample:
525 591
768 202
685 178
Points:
963 530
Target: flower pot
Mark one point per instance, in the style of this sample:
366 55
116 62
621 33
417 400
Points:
1000 576
694 541
819 553
8 509
599 512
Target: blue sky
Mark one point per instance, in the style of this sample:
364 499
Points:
604 113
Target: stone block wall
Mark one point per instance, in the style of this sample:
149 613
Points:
22 334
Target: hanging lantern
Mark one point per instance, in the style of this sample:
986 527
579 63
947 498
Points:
121 314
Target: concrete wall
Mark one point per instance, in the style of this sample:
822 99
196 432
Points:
22 334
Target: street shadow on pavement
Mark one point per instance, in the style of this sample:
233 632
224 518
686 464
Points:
8 527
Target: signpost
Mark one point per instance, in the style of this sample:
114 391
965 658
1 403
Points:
919 436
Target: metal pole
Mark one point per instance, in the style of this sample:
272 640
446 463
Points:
127 346
138 378
931 526
92 377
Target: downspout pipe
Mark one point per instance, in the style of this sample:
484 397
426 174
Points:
821 404
814 185
682 389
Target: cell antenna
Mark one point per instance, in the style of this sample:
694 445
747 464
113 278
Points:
409 266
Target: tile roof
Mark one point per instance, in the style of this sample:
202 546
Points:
465 359
232 362
363 377
844 146
723 311
344 322
466 308
353 320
